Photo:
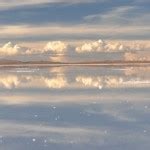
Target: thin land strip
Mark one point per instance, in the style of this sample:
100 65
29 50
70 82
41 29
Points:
91 63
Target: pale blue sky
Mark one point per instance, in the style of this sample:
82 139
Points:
83 19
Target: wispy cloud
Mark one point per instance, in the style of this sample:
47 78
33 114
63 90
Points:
128 21
114 16
118 20
7 4
72 32
123 15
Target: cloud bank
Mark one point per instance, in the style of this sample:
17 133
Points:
104 46
55 47
60 51
99 46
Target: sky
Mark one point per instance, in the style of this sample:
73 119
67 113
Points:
50 25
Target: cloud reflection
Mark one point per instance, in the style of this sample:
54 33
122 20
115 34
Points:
137 71
9 81
59 77
90 81
111 82
57 82
59 135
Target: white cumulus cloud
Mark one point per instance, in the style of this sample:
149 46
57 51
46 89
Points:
56 47
100 46
105 46
9 49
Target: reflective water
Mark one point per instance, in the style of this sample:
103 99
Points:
75 108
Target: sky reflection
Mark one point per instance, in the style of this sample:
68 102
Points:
75 108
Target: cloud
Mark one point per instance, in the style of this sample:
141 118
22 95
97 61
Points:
114 22
84 31
55 47
99 46
9 49
128 21
123 15
8 4
138 56
117 15
93 46
104 46
59 51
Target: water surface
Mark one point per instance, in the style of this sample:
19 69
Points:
75 108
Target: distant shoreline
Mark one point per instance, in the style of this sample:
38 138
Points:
96 63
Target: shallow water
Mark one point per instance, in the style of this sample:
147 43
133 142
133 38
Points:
75 108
